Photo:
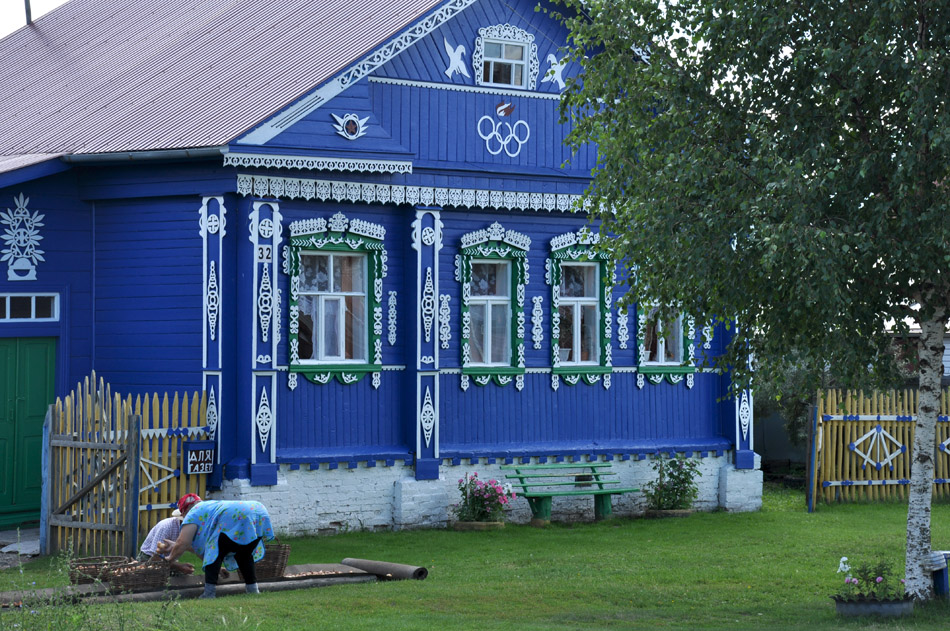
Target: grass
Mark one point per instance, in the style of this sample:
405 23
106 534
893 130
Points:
768 570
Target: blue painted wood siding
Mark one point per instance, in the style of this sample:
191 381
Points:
438 128
148 294
67 270
335 419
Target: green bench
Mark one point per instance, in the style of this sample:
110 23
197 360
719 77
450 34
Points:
539 483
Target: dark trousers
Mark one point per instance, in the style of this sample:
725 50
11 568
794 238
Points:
243 554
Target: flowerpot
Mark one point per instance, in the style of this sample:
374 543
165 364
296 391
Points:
658 514
890 608
478 525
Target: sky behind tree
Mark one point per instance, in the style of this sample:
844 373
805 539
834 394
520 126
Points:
13 14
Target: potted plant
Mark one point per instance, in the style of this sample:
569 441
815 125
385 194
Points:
482 505
871 589
673 492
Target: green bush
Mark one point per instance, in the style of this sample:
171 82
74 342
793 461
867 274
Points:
675 487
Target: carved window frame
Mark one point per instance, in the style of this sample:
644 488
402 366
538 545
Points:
673 373
580 247
495 244
507 34
350 236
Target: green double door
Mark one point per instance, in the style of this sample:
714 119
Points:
27 371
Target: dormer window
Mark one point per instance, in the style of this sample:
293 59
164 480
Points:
505 56
504 64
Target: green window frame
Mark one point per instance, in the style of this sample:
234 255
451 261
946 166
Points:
338 239
675 370
577 249
491 246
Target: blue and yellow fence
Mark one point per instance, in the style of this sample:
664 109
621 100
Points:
862 442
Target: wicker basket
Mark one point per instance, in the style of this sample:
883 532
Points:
274 562
139 577
92 569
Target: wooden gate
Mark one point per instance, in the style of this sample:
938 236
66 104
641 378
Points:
112 467
861 446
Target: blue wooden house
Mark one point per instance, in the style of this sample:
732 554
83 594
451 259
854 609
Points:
354 226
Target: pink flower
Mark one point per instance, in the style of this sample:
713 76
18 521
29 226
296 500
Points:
847 581
879 579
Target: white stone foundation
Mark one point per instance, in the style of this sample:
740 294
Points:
740 490
327 501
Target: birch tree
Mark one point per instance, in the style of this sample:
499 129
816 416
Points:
784 165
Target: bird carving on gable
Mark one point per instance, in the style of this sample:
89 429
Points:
554 71
455 59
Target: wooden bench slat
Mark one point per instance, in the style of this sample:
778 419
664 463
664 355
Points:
559 475
558 465
587 478
588 492
569 483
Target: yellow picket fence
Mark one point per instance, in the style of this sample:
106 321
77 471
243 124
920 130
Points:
862 446
99 448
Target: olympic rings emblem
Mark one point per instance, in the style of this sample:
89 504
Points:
496 141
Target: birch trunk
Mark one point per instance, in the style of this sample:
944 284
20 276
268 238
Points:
918 578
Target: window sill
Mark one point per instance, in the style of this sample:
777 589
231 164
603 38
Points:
492 370
665 369
346 374
581 369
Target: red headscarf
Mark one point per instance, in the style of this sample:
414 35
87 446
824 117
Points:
186 502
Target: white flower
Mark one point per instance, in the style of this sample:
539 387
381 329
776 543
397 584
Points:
844 567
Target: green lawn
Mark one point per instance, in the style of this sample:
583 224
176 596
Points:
768 570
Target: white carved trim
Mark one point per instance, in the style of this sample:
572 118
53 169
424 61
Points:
265 302
555 71
623 333
427 417
316 163
392 318
292 381
22 239
537 322
496 232
342 126
456 63
507 32
333 191
211 414
264 419
427 307
744 414
455 87
584 236
357 71
445 314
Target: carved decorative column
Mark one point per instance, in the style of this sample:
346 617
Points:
427 242
745 456
265 235
211 226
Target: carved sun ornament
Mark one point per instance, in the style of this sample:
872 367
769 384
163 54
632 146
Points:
350 126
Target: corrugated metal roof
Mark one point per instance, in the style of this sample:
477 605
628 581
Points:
130 75
12 163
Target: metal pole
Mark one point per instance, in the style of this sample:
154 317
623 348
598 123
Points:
29 15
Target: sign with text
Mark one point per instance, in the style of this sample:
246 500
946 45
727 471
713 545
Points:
198 456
